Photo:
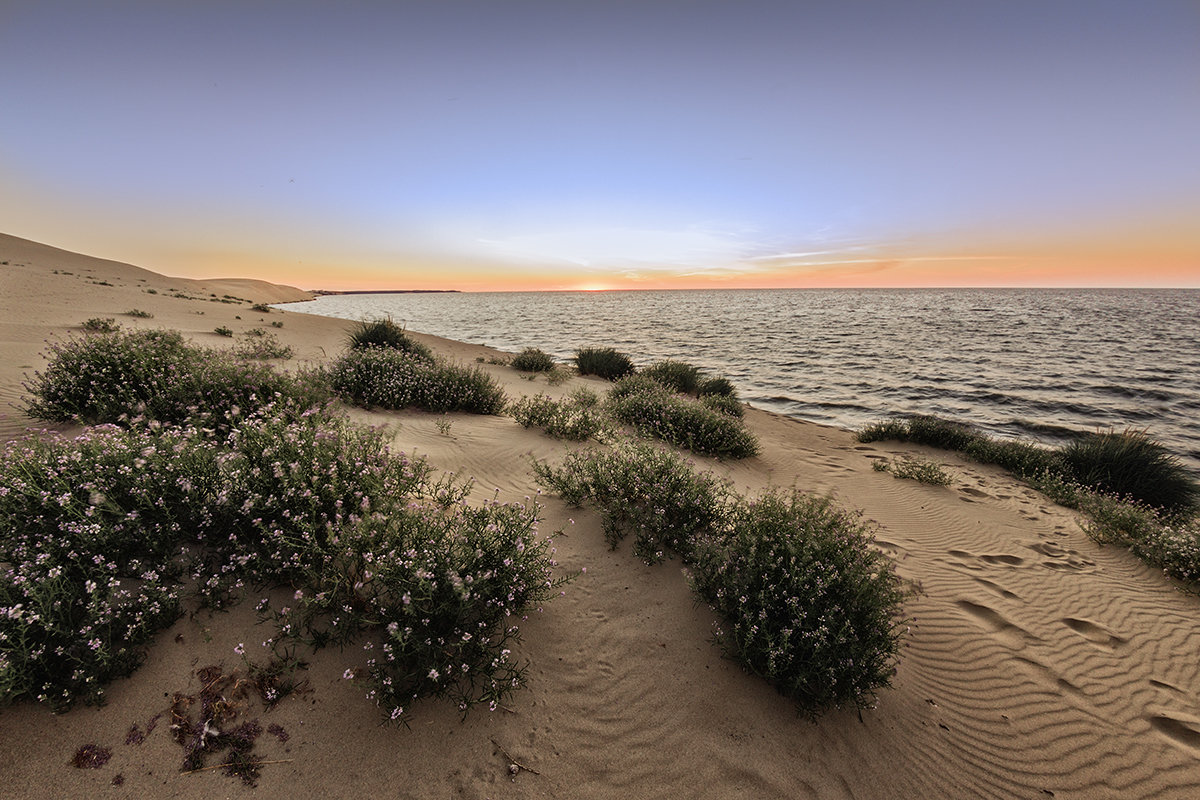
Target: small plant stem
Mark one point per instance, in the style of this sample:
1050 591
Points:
256 763
513 761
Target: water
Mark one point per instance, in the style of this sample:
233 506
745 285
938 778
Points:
1023 362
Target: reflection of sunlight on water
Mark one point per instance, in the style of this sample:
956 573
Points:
1017 362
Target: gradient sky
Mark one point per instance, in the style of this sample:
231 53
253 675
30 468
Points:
558 144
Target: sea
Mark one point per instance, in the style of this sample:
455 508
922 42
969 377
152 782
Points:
1033 363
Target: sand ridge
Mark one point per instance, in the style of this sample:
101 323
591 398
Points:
1038 664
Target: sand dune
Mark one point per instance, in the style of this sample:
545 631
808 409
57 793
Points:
1039 664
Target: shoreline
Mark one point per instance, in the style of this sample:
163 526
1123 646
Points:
1038 661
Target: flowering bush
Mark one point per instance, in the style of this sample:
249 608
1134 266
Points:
808 604
92 531
375 376
643 489
654 410
442 588
153 374
97 532
263 346
578 417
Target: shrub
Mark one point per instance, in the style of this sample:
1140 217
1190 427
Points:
396 379
100 325
1131 463
724 404
263 346
92 530
604 362
921 470
221 330
677 376
720 387
137 312
654 411
101 378
290 486
576 418
532 359
136 376
807 603
386 334
262 308
441 589
643 489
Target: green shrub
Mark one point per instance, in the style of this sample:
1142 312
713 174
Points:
645 490
654 410
221 330
395 379
137 312
532 359
576 418
100 325
883 430
1132 464
677 376
262 308
604 362
718 386
386 334
808 604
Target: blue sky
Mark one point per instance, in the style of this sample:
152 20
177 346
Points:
558 144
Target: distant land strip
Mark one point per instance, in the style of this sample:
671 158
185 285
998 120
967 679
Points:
385 291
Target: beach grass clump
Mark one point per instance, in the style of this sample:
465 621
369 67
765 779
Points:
1132 464
921 470
394 379
577 417
91 552
678 376
1024 459
139 313
531 359
386 334
645 490
654 410
440 589
603 362
716 386
807 603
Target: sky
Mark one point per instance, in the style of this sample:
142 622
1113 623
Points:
562 144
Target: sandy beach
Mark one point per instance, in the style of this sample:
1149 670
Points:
1038 664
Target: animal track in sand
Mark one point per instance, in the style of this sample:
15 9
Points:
1182 732
971 490
1095 633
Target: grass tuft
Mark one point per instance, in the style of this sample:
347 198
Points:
532 359
604 362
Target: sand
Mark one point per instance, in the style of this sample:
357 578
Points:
1038 663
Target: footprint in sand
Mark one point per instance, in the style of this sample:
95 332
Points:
998 589
997 621
1095 633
